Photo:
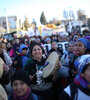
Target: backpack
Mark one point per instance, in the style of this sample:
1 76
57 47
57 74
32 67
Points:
12 53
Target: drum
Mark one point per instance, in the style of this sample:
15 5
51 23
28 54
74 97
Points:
52 68
1 67
41 87
3 94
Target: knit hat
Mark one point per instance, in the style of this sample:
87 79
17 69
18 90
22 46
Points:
88 37
81 61
48 39
22 76
84 41
88 46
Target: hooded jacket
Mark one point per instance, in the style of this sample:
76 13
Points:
20 58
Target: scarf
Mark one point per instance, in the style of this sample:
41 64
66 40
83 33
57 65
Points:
79 80
25 97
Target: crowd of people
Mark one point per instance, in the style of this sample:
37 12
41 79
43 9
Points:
24 59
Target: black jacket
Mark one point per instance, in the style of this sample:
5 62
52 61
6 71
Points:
75 92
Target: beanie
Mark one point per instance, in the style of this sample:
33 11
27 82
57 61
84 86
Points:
81 61
20 75
88 46
84 41
47 39
88 37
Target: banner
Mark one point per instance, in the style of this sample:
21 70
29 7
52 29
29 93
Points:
62 45
48 30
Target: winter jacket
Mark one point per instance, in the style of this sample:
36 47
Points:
67 62
49 94
14 50
7 58
6 75
80 94
20 58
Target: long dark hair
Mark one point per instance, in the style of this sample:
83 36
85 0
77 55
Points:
43 51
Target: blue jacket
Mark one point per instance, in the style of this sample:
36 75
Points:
20 58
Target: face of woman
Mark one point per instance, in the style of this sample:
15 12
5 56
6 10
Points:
80 48
37 52
71 47
54 45
8 45
19 87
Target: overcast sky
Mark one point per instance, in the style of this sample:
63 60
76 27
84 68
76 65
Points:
33 8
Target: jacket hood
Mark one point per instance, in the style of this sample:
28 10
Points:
21 47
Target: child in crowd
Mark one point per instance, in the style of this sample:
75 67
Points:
20 83
21 57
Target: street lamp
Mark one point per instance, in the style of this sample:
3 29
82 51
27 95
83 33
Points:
6 20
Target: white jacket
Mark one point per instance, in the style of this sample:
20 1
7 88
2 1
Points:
7 58
81 95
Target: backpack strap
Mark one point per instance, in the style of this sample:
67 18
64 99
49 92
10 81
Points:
73 89
65 56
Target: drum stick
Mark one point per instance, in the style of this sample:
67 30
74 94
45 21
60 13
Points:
41 68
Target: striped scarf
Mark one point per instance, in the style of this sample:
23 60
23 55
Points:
81 81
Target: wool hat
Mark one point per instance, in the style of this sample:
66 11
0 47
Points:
88 37
84 41
88 46
48 39
22 76
81 61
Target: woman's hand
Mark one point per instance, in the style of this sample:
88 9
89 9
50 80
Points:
31 77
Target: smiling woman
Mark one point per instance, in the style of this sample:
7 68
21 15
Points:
43 87
37 59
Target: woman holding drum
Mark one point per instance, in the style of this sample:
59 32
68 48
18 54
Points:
42 86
